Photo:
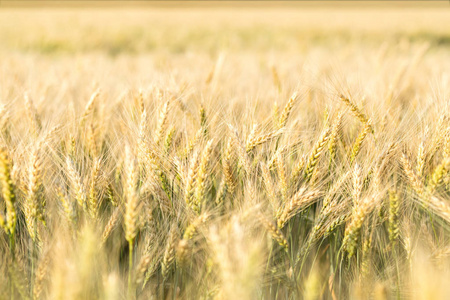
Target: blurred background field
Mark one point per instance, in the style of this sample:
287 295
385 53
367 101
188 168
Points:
140 42
178 28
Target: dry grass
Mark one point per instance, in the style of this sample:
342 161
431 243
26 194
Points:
205 154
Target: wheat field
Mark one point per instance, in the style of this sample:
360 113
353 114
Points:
289 151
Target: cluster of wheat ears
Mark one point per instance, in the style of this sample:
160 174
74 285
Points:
158 197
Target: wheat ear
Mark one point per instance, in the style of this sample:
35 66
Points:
274 231
169 254
283 181
393 216
298 202
9 197
76 183
359 140
357 184
191 179
267 178
254 141
287 111
202 176
32 114
93 196
162 123
33 206
316 152
89 107
131 209
228 162
334 136
412 176
353 229
356 111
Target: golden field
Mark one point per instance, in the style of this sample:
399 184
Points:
225 151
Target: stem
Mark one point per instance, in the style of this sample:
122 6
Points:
32 250
12 246
174 293
130 267
12 250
